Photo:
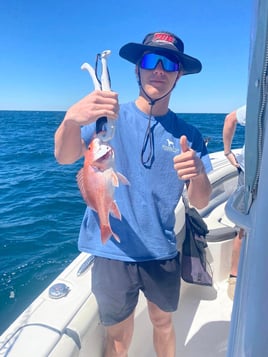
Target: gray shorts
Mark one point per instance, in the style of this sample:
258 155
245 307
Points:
116 286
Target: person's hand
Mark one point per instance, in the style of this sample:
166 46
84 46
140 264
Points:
232 158
93 106
187 164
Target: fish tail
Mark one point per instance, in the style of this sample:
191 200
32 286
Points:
106 233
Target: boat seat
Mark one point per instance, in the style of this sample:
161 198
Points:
220 227
221 234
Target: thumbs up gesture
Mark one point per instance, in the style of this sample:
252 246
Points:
187 164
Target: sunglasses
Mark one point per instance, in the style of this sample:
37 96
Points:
150 60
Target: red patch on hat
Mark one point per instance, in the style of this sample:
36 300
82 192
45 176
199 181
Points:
163 37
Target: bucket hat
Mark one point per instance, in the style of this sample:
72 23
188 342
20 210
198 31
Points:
164 43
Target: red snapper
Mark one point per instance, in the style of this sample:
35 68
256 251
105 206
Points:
97 181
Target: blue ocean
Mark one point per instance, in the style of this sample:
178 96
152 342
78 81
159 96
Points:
41 208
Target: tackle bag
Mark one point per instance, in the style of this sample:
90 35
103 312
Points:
193 261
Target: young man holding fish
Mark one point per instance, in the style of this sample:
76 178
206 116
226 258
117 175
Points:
156 153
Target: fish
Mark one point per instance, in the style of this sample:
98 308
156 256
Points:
97 180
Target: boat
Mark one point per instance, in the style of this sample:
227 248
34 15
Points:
64 321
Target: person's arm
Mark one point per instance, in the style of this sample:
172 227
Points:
69 146
190 167
199 190
68 143
229 129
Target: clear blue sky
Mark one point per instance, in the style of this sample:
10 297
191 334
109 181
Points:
44 43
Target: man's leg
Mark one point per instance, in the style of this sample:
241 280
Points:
164 334
234 263
236 252
119 337
114 284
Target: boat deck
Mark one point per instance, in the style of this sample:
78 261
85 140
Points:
201 322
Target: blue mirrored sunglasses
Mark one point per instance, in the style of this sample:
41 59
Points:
150 60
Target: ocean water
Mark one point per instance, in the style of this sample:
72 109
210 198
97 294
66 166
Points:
41 208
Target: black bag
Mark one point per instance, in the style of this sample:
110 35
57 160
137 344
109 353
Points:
194 263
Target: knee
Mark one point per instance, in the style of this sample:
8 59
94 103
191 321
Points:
162 322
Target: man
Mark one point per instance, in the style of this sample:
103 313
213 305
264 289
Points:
158 153
229 128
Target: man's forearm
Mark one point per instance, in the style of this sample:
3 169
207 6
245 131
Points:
68 143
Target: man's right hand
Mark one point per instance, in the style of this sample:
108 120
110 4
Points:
93 106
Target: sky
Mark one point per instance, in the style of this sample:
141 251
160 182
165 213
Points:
44 43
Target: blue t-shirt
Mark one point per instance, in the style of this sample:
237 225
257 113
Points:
147 205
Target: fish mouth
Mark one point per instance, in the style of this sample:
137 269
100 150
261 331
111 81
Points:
105 156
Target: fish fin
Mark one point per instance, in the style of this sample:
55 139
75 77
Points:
106 233
114 179
116 237
115 210
80 182
123 179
